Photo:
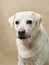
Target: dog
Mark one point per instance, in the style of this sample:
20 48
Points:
31 38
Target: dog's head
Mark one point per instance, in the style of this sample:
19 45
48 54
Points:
25 23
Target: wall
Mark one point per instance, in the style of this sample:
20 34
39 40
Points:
8 48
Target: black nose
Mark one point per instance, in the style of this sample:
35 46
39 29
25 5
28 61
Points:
21 32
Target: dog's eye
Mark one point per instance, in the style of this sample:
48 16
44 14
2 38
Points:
29 22
17 22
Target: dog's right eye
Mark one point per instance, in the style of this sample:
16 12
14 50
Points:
17 22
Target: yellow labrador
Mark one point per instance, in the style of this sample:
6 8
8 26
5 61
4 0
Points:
32 39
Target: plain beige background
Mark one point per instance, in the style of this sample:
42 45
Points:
8 48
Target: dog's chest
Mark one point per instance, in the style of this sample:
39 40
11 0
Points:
29 61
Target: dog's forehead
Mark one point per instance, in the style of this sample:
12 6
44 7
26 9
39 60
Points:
24 15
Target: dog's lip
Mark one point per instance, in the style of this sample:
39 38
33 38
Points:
24 37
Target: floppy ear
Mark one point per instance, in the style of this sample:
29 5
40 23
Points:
38 18
11 20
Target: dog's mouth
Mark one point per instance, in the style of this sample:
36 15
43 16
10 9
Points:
24 37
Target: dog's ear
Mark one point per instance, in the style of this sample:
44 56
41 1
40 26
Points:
38 18
11 20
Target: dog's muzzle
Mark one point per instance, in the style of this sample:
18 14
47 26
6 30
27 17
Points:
22 35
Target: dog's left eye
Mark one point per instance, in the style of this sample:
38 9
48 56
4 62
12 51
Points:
29 22
17 22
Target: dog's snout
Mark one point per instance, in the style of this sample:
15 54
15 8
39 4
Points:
21 32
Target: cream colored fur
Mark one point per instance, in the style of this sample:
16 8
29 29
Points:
33 50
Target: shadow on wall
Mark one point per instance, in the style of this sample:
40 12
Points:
8 48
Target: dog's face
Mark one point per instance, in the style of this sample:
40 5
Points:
25 23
